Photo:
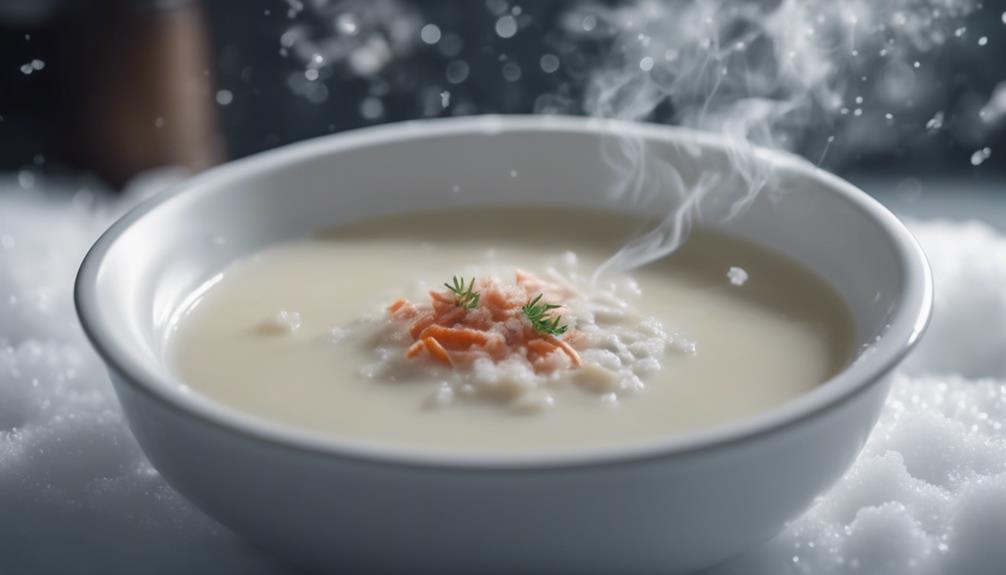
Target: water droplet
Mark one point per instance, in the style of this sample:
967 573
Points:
457 72
980 156
960 31
347 25
590 22
646 64
371 108
506 27
936 122
549 63
430 34
311 74
224 97
511 72
983 40
26 179
34 66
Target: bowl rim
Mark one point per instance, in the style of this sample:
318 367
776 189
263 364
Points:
908 321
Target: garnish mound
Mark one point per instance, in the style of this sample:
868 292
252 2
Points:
516 344
488 319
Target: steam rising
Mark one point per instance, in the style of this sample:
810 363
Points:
826 78
767 74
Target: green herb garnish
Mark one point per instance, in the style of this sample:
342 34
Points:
467 297
536 313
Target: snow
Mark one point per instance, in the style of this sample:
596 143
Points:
928 494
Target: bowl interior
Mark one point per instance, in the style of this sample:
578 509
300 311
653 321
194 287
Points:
143 269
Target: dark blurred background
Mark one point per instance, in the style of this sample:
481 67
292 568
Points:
114 87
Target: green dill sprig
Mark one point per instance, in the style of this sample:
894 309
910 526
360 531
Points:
536 314
467 297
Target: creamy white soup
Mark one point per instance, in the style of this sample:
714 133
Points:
485 330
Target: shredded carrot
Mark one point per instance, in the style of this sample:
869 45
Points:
415 349
497 302
455 338
540 346
442 297
495 327
568 349
436 350
497 348
450 318
420 324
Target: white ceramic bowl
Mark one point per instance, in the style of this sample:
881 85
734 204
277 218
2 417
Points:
673 504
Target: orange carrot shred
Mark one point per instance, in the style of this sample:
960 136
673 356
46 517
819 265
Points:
397 304
568 349
436 350
452 317
540 346
455 338
415 349
442 297
420 324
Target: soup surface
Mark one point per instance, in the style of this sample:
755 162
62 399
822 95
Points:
300 333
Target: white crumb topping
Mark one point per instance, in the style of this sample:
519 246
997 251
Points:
737 276
283 323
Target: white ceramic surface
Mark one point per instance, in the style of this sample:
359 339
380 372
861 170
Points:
668 505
